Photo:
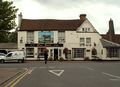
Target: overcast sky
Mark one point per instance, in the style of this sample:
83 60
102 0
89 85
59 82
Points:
98 12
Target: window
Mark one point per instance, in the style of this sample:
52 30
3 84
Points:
9 55
86 29
88 41
113 52
83 29
82 41
30 52
61 36
78 53
30 37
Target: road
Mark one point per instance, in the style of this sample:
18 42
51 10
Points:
67 74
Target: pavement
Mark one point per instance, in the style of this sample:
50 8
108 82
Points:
8 73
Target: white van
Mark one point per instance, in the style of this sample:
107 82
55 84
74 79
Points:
18 56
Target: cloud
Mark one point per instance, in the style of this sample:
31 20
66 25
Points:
60 4
98 12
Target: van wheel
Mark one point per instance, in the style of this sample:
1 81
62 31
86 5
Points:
2 61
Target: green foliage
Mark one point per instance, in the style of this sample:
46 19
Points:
61 59
7 19
50 58
13 37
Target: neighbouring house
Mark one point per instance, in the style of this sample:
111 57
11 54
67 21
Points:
69 39
110 35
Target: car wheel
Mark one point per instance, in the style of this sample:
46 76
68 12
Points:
2 61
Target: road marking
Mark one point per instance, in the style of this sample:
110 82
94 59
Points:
56 72
30 71
88 68
114 79
111 75
17 79
51 67
42 67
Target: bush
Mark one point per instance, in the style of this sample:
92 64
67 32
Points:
61 59
50 59
86 58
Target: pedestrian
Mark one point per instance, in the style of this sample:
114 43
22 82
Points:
45 55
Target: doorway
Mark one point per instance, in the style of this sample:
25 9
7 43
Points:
55 54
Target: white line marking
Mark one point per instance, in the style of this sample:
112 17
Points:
111 75
114 79
51 67
88 68
42 67
56 72
30 71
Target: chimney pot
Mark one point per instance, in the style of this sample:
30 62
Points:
82 17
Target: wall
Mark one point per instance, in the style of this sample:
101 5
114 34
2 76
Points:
22 34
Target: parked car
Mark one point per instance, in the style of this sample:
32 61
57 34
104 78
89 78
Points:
2 55
13 56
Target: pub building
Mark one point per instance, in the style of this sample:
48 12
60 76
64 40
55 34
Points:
77 37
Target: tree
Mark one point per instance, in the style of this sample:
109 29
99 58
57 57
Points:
7 19
13 37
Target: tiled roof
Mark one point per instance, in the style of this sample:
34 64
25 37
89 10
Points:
116 38
49 24
107 43
8 46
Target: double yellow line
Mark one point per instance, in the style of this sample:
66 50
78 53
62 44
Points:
17 79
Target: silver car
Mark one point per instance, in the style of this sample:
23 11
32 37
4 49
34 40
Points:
2 55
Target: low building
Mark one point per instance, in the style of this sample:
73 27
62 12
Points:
7 47
78 38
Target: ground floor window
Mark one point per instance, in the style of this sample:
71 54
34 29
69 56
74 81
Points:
78 53
41 52
113 52
30 52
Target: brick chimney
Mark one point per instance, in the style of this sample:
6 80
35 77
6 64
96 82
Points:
111 31
82 17
19 19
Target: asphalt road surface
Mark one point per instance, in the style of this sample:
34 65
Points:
67 74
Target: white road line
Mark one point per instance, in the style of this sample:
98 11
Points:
51 67
56 72
42 67
88 68
30 71
111 75
115 79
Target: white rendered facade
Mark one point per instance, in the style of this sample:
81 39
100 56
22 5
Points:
72 42
82 42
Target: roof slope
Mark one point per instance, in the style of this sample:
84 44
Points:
49 24
107 43
116 38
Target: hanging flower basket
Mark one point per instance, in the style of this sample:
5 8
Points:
45 50
65 51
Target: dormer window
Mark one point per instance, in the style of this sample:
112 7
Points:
88 29
83 29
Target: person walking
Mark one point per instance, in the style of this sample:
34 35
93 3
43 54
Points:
45 55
